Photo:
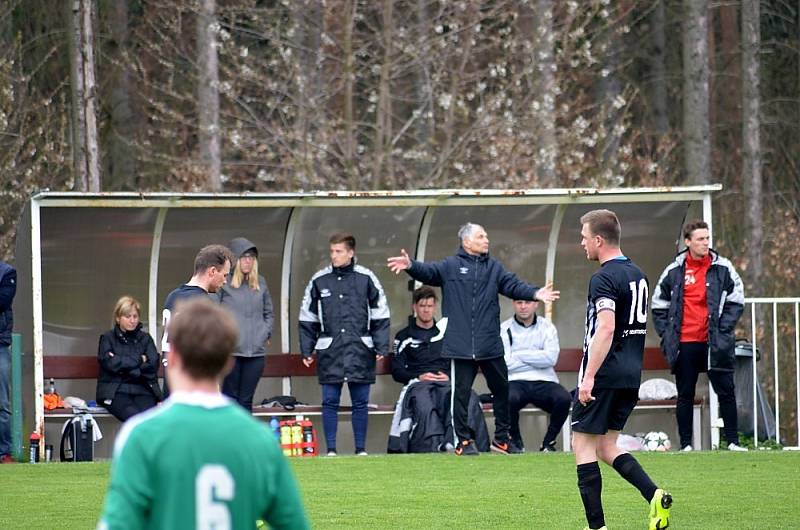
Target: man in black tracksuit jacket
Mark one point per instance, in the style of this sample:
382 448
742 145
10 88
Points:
471 281
418 346
344 317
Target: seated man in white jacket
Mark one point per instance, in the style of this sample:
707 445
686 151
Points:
531 352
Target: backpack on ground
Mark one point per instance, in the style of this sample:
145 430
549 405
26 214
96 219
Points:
77 439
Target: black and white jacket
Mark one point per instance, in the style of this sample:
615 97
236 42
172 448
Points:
418 351
725 296
345 318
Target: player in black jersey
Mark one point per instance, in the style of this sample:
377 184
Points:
611 369
211 267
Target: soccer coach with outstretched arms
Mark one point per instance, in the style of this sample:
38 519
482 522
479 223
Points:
471 281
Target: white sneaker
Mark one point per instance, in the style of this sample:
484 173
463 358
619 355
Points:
687 449
331 453
736 447
362 453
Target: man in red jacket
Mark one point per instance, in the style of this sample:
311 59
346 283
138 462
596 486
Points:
696 304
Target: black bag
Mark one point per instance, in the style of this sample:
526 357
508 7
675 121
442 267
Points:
287 402
77 439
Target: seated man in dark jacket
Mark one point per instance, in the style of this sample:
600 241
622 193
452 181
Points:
422 417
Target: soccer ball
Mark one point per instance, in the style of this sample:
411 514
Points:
657 441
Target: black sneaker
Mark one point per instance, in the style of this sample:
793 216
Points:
549 448
467 448
501 447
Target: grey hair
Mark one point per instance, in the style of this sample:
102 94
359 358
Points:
467 230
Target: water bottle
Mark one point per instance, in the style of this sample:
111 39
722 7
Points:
275 427
34 447
286 438
297 439
51 389
308 438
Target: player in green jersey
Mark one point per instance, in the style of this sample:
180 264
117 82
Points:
199 461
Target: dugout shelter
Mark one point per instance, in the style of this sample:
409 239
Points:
77 253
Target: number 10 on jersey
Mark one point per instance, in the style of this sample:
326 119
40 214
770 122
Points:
639 294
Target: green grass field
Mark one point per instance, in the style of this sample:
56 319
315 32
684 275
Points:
711 490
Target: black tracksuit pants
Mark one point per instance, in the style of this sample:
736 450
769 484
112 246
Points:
462 375
548 396
125 405
692 360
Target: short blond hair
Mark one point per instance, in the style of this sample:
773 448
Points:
125 306
603 223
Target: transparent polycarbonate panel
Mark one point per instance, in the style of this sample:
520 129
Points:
91 257
517 237
379 233
650 232
187 230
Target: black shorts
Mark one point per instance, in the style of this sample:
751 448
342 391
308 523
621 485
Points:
608 412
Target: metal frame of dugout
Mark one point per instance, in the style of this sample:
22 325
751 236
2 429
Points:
78 252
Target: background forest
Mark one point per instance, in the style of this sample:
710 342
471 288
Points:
301 95
268 95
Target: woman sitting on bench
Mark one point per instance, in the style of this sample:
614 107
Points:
128 379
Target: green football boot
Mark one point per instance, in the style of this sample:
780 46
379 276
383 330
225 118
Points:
659 510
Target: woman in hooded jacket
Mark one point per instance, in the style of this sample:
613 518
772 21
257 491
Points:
246 295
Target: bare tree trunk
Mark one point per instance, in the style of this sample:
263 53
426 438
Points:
751 139
730 40
208 95
122 164
78 129
543 87
456 76
305 69
86 155
314 84
610 90
349 79
696 128
423 95
383 114
307 26
658 68
90 95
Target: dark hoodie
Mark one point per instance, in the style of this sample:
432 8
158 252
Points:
252 309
